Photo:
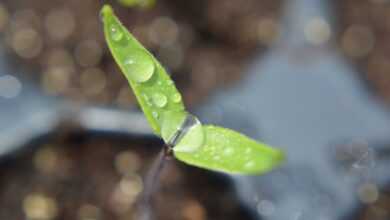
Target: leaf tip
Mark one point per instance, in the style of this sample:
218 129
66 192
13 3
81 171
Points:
106 11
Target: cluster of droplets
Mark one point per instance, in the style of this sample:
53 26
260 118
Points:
140 68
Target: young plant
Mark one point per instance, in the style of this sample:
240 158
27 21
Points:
206 146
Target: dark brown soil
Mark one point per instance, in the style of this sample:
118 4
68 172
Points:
99 177
364 33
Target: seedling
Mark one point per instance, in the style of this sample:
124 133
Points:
206 146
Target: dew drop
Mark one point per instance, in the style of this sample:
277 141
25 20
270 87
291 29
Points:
216 157
191 136
228 151
116 34
159 100
139 66
248 150
172 122
249 165
155 114
176 98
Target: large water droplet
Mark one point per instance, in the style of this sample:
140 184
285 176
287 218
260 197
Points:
190 137
176 98
172 122
139 66
116 33
160 100
155 115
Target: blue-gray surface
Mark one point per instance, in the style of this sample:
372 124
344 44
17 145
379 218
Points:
24 115
306 100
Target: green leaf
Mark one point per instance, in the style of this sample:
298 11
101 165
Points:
229 151
153 88
137 3
209 147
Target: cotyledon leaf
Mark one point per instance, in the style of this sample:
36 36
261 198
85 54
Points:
153 88
229 151
208 147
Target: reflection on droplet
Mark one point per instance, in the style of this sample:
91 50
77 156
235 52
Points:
228 151
216 157
265 208
115 33
10 86
139 66
171 124
176 98
191 136
248 150
155 115
249 165
159 100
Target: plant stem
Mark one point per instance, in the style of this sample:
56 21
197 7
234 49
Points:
151 182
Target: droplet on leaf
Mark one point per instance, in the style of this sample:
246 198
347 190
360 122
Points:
139 66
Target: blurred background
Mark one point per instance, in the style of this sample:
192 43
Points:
309 76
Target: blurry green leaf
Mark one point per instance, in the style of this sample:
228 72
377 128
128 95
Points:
229 151
137 3
209 147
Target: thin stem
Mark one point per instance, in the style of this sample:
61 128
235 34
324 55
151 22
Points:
151 182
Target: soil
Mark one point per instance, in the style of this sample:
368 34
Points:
364 30
99 176
204 44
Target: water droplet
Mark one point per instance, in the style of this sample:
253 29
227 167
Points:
248 150
191 136
169 82
176 98
139 66
228 151
171 124
249 165
147 99
116 34
159 83
159 100
155 115
216 157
